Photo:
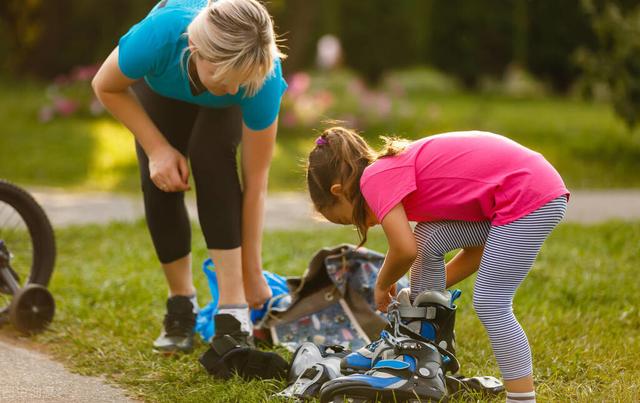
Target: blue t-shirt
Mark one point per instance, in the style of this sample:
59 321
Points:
155 49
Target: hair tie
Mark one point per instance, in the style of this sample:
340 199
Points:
321 141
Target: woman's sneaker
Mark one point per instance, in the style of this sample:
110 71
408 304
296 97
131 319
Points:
178 326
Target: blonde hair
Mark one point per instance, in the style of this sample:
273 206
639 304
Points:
341 157
236 35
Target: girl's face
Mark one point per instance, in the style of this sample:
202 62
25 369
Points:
341 212
230 84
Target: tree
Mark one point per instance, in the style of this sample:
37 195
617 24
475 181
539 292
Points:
615 62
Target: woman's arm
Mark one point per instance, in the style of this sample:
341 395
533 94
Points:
169 169
257 152
400 256
463 264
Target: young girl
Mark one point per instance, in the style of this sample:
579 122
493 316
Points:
481 192
193 80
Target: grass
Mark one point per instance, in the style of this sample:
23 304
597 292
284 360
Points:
579 307
590 147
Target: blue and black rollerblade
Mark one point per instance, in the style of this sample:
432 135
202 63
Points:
431 318
412 371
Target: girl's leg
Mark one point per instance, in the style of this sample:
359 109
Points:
434 240
508 256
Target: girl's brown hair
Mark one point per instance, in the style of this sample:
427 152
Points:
340 156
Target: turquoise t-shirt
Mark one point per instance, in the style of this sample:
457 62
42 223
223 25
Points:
154 49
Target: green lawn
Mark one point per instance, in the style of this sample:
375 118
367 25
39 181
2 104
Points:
579 307
590 147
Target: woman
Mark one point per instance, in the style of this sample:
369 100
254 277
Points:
191 81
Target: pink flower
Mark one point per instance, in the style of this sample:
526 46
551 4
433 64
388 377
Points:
84 73
46 114
95 107
299 83
396 88
383 105
325 99
289 119
60 80
65 106
356 86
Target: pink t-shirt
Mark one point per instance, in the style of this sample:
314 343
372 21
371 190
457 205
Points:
469 176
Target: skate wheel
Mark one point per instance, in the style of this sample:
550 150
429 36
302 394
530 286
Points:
32 309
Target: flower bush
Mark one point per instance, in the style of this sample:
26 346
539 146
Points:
339 95
71 95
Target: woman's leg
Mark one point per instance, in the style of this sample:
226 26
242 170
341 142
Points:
434 240
166 214
168 221
212 150
508 256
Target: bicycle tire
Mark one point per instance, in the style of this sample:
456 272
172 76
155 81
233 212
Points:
40 231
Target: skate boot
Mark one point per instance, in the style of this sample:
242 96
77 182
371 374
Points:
432 315
311 367
412 372
430 318
232 352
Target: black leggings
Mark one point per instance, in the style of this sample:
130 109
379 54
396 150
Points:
209 137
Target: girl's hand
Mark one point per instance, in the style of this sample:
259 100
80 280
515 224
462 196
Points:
383 296
169 170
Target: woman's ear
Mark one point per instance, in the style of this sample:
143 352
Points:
336 189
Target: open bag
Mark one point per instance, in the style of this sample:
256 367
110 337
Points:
332 303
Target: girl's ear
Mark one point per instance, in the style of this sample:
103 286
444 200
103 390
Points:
336 189
192 46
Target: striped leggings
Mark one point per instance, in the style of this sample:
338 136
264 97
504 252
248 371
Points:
509 253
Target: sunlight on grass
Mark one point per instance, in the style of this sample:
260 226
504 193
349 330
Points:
579 307
113 156
287 168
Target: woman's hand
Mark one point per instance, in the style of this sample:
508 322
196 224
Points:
383 296
257 291
169 170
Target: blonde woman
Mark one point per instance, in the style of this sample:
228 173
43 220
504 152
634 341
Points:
192 81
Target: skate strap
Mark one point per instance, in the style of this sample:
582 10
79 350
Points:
450 359
391 364
224 344
418 312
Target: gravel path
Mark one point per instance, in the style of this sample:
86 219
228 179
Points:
29 376
294 211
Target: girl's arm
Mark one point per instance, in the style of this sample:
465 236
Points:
169 169
400 256
463 264
257 151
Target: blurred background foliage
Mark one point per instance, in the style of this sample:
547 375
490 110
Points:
468 39
550 74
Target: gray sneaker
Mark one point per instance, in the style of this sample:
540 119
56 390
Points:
179 327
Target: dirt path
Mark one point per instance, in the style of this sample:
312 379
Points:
293 210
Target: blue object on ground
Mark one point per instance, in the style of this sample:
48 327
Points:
204 322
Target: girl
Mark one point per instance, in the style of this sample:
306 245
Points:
191 81
481 192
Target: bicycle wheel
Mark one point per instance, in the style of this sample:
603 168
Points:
27 233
